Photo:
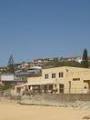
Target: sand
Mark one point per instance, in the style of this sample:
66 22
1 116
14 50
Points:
14 111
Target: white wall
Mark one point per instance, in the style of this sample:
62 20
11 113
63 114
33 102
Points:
7 77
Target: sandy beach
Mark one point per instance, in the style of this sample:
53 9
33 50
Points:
14 111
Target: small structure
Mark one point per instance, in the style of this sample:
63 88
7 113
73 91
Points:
10 79
34 71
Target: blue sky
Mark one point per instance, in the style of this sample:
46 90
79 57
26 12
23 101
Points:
32 29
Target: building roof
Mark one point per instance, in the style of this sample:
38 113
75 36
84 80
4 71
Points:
68 68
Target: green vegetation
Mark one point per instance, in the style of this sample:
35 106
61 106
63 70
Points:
11 65
5 87
61 63
84 62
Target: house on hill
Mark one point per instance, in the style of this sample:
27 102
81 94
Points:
10 79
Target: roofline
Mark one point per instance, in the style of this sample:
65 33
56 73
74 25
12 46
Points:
68 67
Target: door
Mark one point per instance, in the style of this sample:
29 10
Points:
61 88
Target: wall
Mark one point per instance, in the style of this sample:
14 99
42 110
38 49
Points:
70 73
7 77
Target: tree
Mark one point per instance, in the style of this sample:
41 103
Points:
11 65
84 62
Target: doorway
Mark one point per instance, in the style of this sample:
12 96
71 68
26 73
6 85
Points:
88 82
61 88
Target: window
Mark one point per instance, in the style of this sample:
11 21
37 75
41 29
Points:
46 76
60 74
76 79
85 87
53 75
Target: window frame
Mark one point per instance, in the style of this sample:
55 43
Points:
76 79
60 74
53 75
46 76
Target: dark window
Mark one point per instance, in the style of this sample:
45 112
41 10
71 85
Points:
76 79
85 87
60 74
53 75
46 76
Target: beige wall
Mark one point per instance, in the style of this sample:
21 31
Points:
77 86
30 79
38 81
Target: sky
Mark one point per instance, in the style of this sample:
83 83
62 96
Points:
31 29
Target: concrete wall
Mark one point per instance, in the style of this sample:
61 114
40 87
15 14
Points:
72 100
